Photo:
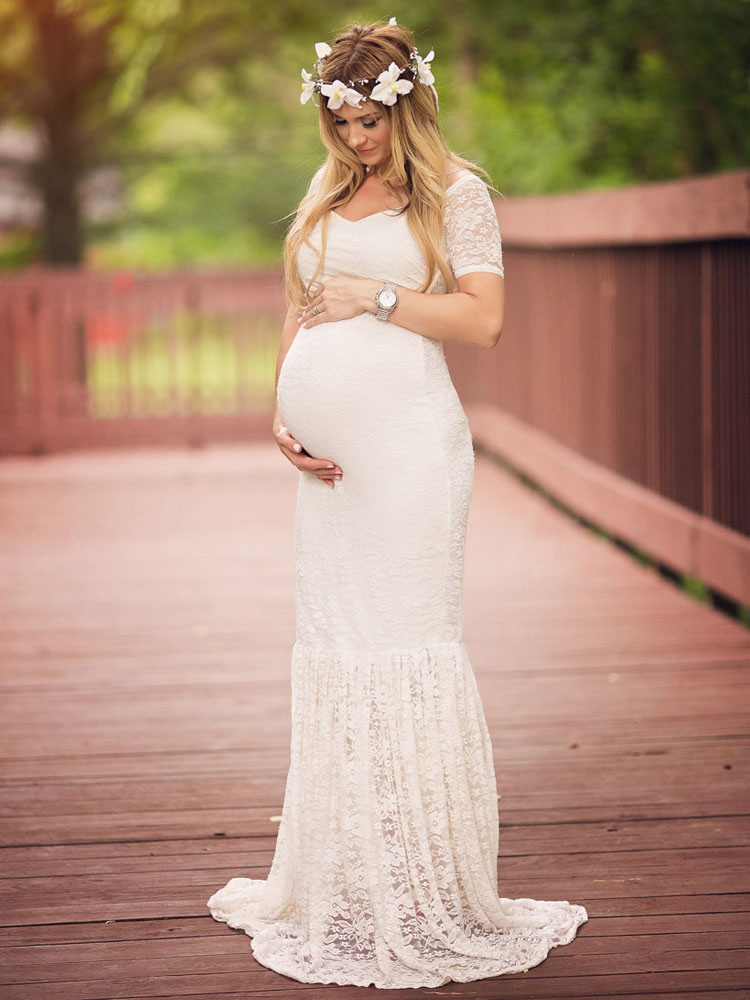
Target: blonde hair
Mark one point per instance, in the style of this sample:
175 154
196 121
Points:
419 158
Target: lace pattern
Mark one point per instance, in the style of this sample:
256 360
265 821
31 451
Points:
385 869
472 232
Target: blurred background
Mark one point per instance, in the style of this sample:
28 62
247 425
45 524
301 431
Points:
151 152
161 133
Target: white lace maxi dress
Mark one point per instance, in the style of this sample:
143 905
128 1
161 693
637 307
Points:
385 869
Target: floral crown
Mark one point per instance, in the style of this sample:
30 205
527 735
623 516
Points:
388 85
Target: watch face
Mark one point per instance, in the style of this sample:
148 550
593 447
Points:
387 298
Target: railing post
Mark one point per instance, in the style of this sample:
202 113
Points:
46 374
706 375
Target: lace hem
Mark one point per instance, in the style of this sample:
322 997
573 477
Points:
385 869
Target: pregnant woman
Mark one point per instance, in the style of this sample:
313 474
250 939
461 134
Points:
385 869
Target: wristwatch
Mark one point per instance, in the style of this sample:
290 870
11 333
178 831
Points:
386 299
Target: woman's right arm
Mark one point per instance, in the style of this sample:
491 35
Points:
290 447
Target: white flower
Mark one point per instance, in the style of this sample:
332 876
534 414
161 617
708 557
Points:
424 72
389 86
322 49
393 21
338 92
308 87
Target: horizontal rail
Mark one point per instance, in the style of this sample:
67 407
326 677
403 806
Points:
694 209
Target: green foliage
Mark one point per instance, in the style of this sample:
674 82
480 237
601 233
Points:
199 104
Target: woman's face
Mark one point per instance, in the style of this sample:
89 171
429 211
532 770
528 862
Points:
365 131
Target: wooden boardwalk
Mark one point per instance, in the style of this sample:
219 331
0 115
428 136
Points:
147 622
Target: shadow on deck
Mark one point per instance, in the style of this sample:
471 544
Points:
146 634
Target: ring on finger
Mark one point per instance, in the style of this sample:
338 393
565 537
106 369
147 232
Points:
315 310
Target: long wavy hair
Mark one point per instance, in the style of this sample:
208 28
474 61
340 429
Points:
419 159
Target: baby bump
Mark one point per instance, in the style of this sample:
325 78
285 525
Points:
347 385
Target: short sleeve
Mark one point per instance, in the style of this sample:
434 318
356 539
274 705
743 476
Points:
472 233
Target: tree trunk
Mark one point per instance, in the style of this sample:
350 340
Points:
59 176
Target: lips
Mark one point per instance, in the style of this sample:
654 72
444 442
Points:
368 150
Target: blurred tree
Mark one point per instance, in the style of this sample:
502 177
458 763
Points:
83 72
573 93
197 102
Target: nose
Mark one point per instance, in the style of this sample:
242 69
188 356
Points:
358 139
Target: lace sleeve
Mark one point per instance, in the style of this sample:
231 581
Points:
471 229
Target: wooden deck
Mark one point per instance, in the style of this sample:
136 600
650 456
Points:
147 623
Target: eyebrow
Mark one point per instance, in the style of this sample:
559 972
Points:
370 114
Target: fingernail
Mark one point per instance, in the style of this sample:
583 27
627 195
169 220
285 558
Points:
298 447
331 465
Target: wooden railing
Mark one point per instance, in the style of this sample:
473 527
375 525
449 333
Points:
621 382
98 359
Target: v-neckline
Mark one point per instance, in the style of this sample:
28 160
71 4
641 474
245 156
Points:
370 216
374 215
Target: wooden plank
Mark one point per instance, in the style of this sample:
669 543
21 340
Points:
613 917
523 986
242 822
458 990
245 761
31 863
561 783
615 706
673 952
172 936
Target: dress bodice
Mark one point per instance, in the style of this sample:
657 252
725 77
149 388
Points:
382 246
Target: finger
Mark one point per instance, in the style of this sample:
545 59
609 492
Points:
327 474
314 320
307 318
288 441
308 311
324 465
328 463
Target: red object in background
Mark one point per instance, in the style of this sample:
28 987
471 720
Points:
111 328
106 328
123 282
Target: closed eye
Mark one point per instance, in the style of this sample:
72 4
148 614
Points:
366 124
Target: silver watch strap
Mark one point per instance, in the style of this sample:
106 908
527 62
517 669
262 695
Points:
384 312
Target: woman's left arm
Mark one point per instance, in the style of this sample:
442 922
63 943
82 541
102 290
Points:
472 315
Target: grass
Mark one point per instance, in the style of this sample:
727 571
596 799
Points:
187 364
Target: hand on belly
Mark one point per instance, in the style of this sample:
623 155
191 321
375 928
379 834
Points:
324 468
